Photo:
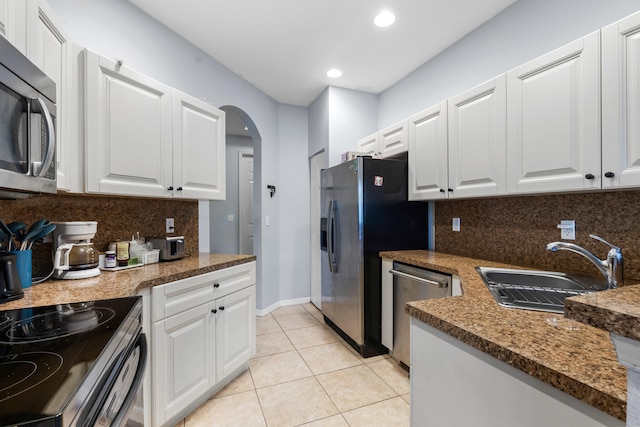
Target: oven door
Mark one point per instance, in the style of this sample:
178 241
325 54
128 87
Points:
118 395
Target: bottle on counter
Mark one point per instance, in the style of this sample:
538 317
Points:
110 260
122 254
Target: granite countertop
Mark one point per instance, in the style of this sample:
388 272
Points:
617 310
123 283
574 357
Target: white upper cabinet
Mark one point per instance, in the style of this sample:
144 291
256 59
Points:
392 140
427 141
198 149
621 103
478 141
48 48
128 118
385 143
369 145
7 26
553 120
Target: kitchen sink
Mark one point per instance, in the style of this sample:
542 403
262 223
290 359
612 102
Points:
536 290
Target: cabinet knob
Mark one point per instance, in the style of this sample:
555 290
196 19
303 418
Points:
222 308
216 285
442 190
609 174
170 188
179 188
589 176
450 190
214 311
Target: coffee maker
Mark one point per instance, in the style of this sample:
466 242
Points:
75 256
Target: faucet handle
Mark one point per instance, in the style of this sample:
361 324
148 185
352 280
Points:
600 239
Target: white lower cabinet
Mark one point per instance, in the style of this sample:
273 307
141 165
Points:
454 384
203 335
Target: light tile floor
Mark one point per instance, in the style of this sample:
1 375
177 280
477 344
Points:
304 374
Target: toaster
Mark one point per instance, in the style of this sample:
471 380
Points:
170 247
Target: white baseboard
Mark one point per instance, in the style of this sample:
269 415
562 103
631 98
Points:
272 307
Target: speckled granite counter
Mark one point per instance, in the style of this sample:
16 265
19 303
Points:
116 284
571 356
616 311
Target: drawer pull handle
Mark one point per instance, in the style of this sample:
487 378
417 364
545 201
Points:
170 188
216 285
609 174
222 308
214 311
589 176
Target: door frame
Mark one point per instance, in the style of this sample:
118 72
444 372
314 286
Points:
317 162
243 154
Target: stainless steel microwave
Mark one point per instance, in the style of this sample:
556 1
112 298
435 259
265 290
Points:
27 126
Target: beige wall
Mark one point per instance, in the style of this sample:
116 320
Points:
515 230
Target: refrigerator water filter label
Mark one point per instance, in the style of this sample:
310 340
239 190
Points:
377 181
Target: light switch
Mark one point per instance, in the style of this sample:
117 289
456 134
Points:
456 224
231 218
267 220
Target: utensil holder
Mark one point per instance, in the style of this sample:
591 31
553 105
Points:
23 261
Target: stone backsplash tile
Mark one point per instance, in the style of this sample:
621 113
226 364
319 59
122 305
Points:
515 230
118 218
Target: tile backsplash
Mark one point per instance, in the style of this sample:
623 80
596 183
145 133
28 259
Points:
118 218
515 229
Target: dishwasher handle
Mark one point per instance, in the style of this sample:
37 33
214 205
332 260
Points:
433 283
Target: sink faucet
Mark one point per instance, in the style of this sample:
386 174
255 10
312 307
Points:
611 268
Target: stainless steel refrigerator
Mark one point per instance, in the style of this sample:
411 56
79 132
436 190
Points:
365 211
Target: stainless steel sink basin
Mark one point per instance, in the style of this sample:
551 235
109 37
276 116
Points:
535 290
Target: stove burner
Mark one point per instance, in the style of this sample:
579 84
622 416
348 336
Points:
66 320
26 371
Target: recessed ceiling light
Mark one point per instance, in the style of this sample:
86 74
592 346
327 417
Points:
334 73
384 19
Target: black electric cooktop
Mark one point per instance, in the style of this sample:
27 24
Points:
47 354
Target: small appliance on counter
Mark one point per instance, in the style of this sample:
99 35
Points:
75 256
10 285
170 247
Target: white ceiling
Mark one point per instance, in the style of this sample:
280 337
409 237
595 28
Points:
285 47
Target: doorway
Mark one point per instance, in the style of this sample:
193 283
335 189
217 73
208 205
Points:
225 216
245 201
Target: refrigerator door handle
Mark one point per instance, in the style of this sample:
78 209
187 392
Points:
331 237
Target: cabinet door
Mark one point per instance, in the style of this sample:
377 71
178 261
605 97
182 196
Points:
48 48
428 154
183 360
369 145
128 131
553 120
478 140
393 139
621 103
198 149
235 331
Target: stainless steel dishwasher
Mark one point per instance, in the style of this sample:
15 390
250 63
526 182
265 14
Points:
412 284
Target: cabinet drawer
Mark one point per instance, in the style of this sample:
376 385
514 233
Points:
176 297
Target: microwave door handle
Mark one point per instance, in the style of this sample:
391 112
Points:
51 141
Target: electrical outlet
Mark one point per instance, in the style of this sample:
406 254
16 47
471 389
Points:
455 224
170 228
567 229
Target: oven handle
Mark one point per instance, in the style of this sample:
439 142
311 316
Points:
123 413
